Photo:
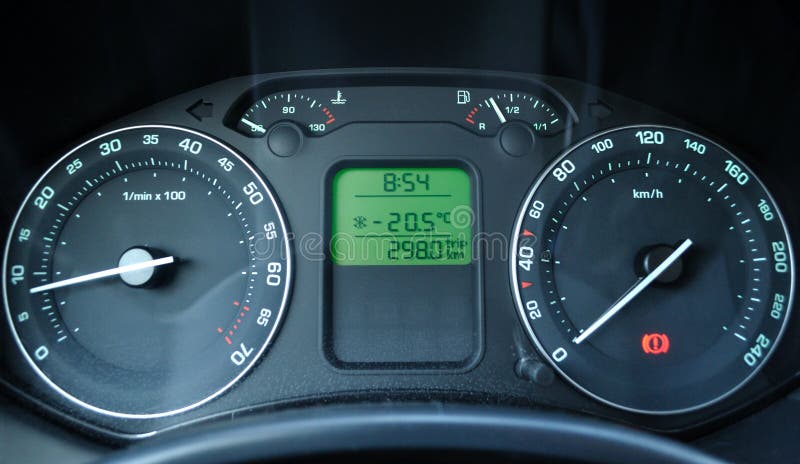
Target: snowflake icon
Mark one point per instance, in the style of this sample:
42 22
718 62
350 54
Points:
359 222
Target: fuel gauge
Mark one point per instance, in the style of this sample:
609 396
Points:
489 115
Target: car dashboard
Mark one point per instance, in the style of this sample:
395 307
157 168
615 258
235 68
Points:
414 242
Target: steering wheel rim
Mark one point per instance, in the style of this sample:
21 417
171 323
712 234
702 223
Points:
351 429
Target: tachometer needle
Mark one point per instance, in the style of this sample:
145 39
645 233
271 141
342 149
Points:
103 274
633 292
497 110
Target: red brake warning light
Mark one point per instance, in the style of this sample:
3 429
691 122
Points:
655 343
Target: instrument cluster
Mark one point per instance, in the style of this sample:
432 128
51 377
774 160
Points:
404 235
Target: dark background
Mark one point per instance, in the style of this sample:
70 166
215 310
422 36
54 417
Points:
69 67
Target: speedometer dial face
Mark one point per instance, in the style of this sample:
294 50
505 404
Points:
146 271
652 269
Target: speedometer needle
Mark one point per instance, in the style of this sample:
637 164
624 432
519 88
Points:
633 292
103 274
497 110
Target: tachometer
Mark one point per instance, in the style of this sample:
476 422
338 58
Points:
146 271
652 269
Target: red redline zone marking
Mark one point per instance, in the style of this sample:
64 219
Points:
471 114
329 115
236 325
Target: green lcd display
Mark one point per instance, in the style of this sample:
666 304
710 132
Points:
401 216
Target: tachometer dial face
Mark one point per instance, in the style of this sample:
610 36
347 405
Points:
652 269
146 271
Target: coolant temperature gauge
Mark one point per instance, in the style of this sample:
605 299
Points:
314 115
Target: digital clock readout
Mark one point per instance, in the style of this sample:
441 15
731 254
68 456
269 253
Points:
401 216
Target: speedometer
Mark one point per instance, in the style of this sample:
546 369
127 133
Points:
146 271
652 269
